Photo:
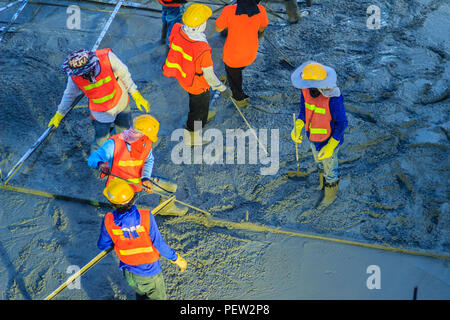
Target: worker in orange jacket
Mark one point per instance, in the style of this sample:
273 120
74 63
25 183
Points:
189 61
245 22
129 156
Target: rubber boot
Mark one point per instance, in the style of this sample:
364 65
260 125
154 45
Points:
292 10
211 115
241 103
321 180
330 194
193 138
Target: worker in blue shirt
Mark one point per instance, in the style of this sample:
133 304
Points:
322 114
137 242
129 155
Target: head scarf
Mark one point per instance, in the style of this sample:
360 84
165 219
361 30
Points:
136 140
248 7
130 135
71 68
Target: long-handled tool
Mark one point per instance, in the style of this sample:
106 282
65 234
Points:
14 18
10 5
99 257
251 129
283 56
156 192
77 99
298 173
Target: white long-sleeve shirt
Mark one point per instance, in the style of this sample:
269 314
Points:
126 83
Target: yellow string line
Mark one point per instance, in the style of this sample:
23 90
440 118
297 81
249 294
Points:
214 222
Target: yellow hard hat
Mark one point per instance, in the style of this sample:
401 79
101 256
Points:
314 71
147 125
118 192
196 15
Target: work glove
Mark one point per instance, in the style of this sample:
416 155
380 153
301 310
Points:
104 168
146 182
328 149
141 102
296 133
56 120
180 262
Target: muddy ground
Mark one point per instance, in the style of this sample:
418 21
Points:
394 164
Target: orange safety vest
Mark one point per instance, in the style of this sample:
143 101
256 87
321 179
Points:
182 56
104 94
171 3
129 164
317 116
133 251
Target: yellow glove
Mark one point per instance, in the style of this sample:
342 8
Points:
180 262
296 133
140 101
56 119
328 149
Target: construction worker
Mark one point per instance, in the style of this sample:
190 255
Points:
129 156
172 11
246 22
189 61
322 114
137 242
106 82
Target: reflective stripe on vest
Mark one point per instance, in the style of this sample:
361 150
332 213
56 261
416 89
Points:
105 93
127 166
130 163
176 66
98 83
317 117
315 109
317 130
180 49
130 252
105 98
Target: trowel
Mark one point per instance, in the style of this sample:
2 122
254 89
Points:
298 173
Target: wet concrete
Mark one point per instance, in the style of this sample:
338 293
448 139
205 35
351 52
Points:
394 164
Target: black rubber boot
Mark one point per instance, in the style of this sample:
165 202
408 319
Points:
292 10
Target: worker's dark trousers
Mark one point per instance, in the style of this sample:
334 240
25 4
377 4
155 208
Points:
198 109
234 79
104 130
